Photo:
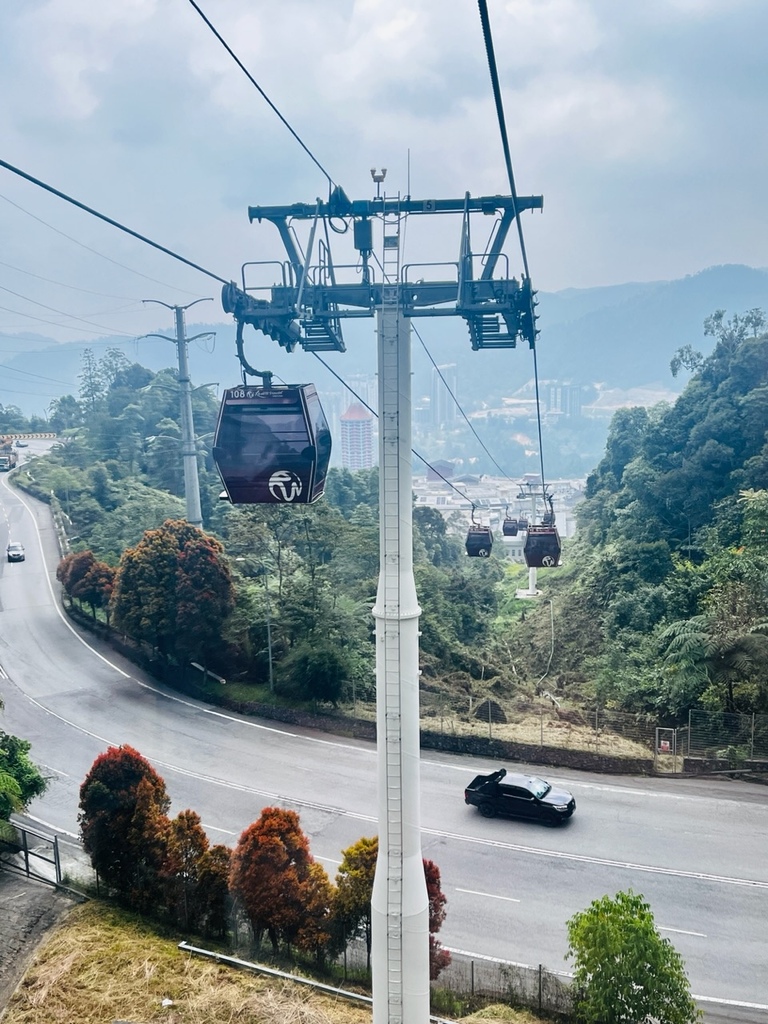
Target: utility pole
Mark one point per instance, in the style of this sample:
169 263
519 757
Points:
188 449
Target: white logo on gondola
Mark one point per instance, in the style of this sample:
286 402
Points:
285 485
548 561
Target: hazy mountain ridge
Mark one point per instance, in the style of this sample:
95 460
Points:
622 336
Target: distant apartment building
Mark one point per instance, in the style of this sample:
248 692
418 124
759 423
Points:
356 438
562 398
442 405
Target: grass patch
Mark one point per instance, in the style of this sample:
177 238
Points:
103 964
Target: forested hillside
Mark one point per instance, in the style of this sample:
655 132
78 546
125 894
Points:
661 604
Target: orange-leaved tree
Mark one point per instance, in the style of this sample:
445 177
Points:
174 590
273 875
354 888
123 805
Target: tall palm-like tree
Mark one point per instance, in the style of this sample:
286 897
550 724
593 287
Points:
721 648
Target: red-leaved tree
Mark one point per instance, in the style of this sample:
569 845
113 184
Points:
439 958
123 805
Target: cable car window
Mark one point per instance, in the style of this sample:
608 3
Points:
322 436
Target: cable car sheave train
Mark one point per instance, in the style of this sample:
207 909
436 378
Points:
272 444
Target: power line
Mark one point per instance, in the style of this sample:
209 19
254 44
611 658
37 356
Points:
52 309
61 284
109 220
256 85
56 323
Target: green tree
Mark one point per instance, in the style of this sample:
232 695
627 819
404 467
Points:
20 779
354 886
123 803
213 890
624 972
316 669
714 654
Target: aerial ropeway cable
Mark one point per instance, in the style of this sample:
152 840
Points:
542 545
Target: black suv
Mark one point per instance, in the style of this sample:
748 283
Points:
519 796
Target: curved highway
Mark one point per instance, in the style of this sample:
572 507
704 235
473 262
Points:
696 849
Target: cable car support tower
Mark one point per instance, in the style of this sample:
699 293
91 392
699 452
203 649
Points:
306 306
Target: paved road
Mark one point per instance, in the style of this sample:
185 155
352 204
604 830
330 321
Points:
694 848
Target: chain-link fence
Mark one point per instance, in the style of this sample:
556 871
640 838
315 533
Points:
539 724
727 736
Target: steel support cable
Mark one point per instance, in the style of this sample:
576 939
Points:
491 55
458 405
373 413
264 96
109 220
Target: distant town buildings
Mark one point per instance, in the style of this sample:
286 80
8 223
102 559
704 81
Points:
356 438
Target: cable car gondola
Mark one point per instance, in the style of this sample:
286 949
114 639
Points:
479 539
509 526
542 547
272 444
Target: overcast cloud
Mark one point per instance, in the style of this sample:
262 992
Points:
642 124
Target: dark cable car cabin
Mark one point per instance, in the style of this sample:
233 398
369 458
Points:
509 527
272 444
542 547
479 541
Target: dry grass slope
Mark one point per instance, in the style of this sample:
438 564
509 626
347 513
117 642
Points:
101 965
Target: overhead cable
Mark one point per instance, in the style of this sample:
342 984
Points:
491 55
457 403
82 245
373 413
256 85
109 220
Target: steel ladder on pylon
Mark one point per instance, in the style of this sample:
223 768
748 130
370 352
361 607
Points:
392 222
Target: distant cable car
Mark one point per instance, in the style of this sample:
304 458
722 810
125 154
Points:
542 547
272 444
479 541
509 527
522 524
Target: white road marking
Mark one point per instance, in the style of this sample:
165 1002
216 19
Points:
680 931
490 895
602 861
213 828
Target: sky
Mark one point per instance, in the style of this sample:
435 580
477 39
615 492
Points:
641 124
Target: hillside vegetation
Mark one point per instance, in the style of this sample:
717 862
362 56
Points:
660 607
